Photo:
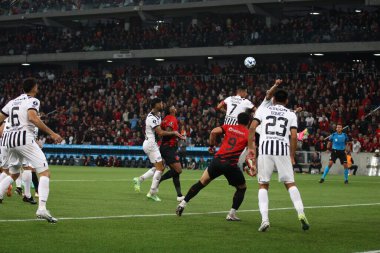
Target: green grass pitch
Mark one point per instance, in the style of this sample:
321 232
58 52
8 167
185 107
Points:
100 212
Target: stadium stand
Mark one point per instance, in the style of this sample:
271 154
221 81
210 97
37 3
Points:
92 103
213 30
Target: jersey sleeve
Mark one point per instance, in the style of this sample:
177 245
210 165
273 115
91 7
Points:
259 114
6 109
293 121
33 104
152 122
266 103
227 100
249 104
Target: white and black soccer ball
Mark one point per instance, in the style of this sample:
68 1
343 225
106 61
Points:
249 62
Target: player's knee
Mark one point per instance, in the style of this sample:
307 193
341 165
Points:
289 185
175 174
45 173
242 187
241 190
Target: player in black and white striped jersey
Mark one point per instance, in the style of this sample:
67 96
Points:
275 152
234 105
20 141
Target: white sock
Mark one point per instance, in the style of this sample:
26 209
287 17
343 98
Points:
155 182
296 199
27 178
2 176
233 211
43 191
263 204
4 185
147 174
19 181
183 203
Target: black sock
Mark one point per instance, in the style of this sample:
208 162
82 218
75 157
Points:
238 198
166 176
177 183
35 181
194 191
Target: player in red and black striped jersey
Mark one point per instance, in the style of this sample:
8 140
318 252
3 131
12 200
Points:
225 163
168 150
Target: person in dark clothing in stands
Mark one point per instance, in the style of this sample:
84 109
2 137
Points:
315 163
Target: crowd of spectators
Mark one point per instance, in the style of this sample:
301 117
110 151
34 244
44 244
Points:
10 7
108 106
184 32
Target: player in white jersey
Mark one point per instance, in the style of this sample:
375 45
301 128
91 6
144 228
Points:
234 105
19 139
150 146
275 151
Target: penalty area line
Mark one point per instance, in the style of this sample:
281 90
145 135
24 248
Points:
188 214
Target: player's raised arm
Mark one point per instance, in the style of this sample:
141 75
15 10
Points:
273 89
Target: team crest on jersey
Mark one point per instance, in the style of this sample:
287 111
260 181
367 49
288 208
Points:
171 124
35 103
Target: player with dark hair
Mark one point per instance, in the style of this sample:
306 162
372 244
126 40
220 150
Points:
275 152
168 149
20 142
225 163
150 146
339 142
234 105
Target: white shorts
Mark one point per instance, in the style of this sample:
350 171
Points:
152 150
267 163
31 153
242 157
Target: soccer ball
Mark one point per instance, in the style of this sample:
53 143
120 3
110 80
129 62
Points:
249 62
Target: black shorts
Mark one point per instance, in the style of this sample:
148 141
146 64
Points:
233 174
169 154
335 154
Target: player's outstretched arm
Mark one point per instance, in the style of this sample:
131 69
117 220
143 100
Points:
161 132
273 89
35 119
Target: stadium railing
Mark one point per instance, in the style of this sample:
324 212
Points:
59 152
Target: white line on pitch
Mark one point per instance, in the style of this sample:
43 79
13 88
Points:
373 251
193 179
186 214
